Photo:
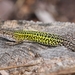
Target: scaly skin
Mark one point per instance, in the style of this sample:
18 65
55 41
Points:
39 37
35 36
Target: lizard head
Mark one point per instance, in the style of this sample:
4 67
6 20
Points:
7 34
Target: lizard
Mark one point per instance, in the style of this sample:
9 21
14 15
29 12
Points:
44 38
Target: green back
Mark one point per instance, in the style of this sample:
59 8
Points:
39 37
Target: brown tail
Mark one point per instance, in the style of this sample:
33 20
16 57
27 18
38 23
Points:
69 45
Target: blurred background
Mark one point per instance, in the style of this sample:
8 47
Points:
38 10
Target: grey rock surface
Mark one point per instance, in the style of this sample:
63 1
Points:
29 51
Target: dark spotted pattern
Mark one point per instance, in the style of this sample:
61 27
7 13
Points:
39 37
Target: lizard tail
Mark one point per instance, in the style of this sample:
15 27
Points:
68 44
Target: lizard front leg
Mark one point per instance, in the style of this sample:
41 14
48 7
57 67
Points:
14 43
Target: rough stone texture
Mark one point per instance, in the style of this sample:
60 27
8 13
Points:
52 60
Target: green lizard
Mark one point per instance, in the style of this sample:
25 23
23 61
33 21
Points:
18 36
